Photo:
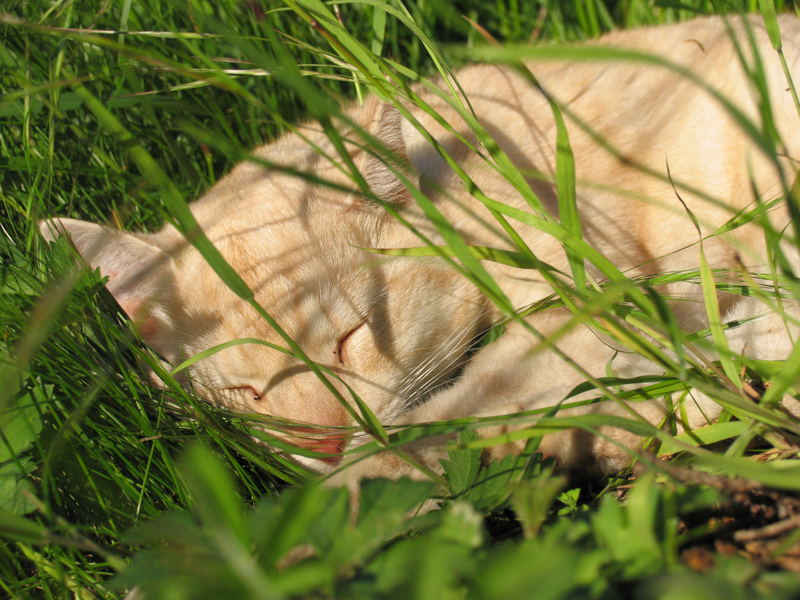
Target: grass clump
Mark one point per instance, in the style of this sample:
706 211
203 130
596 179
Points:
119 112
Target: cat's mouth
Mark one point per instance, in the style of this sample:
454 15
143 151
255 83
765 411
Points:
331 442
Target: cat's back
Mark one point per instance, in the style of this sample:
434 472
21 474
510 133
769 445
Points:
629 71
647 110
643 92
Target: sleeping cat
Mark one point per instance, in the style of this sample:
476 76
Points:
659 161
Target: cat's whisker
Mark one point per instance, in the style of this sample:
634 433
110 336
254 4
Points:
450 346
418 384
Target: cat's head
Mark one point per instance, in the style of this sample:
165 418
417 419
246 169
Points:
392 328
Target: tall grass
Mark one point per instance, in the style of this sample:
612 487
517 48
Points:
121 113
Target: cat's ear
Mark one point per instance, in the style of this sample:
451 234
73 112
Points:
141 276
382 179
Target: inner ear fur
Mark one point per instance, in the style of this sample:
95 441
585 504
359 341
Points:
141 276
385 127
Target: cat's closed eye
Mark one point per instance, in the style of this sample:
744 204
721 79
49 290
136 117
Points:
341 346
246 391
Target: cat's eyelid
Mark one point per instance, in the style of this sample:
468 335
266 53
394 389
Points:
340 354
247 388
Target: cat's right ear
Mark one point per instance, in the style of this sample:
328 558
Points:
141 276
387 130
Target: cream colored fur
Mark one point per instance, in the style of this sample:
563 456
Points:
398 329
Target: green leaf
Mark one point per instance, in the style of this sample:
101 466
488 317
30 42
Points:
176 528
532 499
461 524
462 465
290 521
570 500
382 498
628 531
384 506
492 486
20 425
305 578
220 511
14 487
563 568
331 521
215 499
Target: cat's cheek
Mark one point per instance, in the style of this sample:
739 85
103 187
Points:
148 328
153 323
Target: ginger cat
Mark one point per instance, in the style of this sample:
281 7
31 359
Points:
399 330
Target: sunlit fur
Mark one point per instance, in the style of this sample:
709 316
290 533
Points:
399 329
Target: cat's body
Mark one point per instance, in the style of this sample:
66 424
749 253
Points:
398 329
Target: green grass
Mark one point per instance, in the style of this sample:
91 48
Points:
123 111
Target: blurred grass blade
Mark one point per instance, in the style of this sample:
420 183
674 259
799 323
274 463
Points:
711 302
216 501
19 528
222 514
785 378
710 434
503 257
219 347
567 200
378 29
767 10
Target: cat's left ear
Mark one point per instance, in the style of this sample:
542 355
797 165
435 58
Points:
141 275
381 165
